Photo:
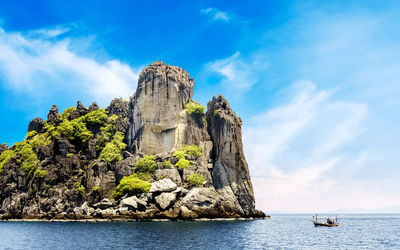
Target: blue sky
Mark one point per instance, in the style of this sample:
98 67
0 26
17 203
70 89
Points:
316 83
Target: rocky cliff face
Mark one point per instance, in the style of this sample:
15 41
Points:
158 121
156 156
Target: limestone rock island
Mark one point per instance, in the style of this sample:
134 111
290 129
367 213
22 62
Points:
156 156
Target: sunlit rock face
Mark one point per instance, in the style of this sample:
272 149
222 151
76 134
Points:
158 120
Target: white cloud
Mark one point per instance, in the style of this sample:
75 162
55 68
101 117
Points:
35 62
216 14
300 155
238 72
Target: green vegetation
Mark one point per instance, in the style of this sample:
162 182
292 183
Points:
65 115
216 112
5 157
106 132
185 151
146 176
183 163
194 109
131 185
112 151
80 188
180 154
160 178
26 157
31 134
39 140
192 150
95 118
51 130
110 143
40 173
96 189
166 164
146 165
195 180
77 128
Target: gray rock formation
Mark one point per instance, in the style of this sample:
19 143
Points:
36 125
230 171
62 173
158 121
164 185
53 113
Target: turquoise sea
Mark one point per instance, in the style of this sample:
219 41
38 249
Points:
375 231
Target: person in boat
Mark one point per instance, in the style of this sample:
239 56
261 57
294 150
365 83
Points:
329 221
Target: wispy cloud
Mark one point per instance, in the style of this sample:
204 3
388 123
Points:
216 14
238 72
298 152
34 62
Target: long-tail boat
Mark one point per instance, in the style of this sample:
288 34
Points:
329 222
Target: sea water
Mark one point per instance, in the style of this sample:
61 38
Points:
376 231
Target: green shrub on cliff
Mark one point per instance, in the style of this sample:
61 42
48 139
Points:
95 118
74 129
26 157
80 131
195 180
106 134
192 150
30 134
5 157
65 128
179 154
166 164
147 164
194 109
80 188
112 151
185 151
131 185
40 173
65 114
39 140
51 130
182 163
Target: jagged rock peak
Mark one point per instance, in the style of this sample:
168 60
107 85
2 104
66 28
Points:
93 107
118 106
3 147
53 113
36 125
230 172
79 105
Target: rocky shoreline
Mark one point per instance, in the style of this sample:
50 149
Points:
158 156
132 220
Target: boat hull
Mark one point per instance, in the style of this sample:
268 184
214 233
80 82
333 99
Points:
318 224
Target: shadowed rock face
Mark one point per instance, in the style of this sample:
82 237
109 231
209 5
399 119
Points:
230 171
36 125
78 184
